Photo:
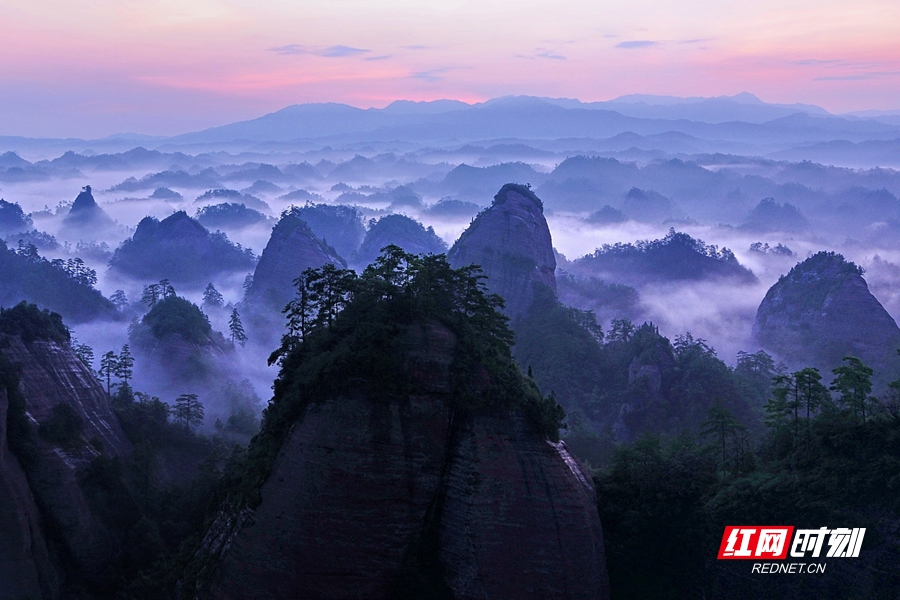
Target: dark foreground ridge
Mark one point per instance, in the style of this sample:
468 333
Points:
404 455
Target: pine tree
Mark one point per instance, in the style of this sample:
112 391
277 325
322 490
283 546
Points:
119 299
151 295
237 328
124 365
299 311
84 352
853 382
188 411
212 297
722 424
813 395
166 289
108 366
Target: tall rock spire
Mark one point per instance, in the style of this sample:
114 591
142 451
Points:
511 242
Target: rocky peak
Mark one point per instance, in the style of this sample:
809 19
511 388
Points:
85 212
368 490
823 310
178 248
396 463
291 249
177 226
512 243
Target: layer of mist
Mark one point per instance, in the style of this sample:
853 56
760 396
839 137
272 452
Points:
769 184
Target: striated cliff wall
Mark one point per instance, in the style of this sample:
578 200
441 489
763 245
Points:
46 495
50 373
405 497
26 568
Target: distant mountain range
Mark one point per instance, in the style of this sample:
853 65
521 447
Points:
734 119
635 126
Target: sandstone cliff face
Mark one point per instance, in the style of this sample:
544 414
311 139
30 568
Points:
821 311
26 568
376 497
511 242
51 374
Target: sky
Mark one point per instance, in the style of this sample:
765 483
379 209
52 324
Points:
91 68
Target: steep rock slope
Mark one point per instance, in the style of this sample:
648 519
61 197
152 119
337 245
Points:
821 311
338 226
48 380
26 567
291 249
428 473
511 242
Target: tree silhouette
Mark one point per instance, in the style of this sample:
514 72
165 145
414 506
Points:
237 328
119 299
84 352
722 424
188 411
212 297
853 382
166 289
151 295
812 394
124 364
109 364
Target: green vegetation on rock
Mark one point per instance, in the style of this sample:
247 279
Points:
347 334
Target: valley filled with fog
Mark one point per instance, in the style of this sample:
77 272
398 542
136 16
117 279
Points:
605 178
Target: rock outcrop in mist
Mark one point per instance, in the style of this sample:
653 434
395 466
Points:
338 226
676 257
13 219
401 231
86 217
62 286
177 248
291 249
511 242
178 349
821 311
